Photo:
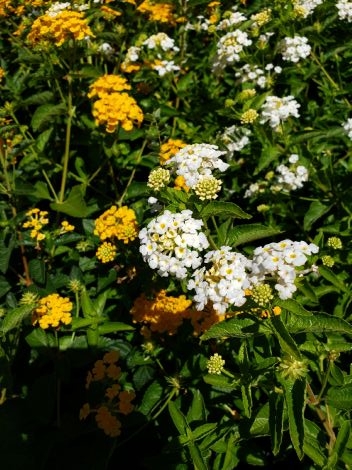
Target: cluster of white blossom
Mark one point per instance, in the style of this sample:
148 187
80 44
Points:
195 161
57 8
252 73
275 110
223 281
228 49
296 48
231 18
160 41
344 8
106 50
280 261
348 127
201 24
290 178
171 243
165 66
234 138
287 178
306 7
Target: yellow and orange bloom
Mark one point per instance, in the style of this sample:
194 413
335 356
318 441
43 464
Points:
52 311
119 223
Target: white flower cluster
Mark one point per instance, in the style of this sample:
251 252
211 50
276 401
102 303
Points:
235 138
252 73
306 7
290 178
202 24
57 8
231 18
165 66
344 8
287 178
280 261
348 127
229 48
161 41
296 48
171 243
276 110
223 282
195 161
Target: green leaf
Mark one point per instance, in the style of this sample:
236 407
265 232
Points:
178 418
113 327
151 397
340 397
340 444
197 410
14 318
4 286
317 323
236 327
276 420
331 277
223 209
5 253
247 402
292 306
88 307
45 114
295 398
38 98
39 338
74 205
43 139
220 382
314 444
315 212
287 343
37 270
248 233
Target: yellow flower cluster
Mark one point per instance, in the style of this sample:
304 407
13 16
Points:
37 220
2 74
109 13
164 314
106 252
52 311
66 227
114 107
119 223
169 148
117 109
108 84
115 401
65 25
159 12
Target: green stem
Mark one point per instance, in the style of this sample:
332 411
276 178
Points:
325 381
50 185
120 201
70 113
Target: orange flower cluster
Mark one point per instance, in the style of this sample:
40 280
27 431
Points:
117 222
62 27
53 311
113 106
115 401
164 314
169 148
159 12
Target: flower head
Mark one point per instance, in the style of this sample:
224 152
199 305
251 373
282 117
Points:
52 311
119 223
215 364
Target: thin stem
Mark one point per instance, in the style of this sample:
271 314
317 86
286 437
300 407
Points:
70 113
322 416
120 201
325 381
50 185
